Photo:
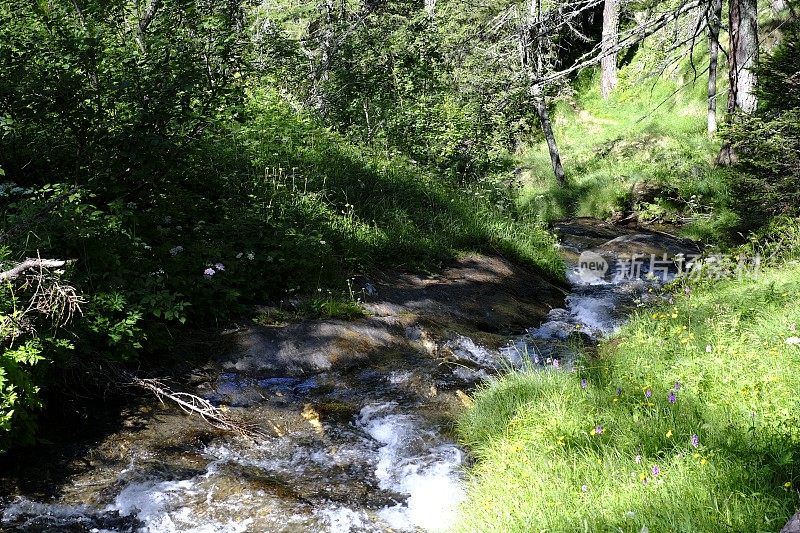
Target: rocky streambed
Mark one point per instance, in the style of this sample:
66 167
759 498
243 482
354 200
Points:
357 415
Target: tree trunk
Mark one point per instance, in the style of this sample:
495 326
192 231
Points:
320 71
532 44
714 23
608 63
547 129
430 8
742 58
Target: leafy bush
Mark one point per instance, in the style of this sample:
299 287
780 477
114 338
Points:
768 143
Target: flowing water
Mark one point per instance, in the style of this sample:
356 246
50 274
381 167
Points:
364 448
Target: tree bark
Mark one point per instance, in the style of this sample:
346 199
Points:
29 264
532 43
547 129
430 8
714 23
608 63
742 58
144 22
320 71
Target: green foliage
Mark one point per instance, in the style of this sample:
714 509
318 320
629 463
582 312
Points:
767 143
651 131
18 393
399 79
721 350
27 341
170 161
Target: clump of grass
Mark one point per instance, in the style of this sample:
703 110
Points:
328 307
689 421
332 308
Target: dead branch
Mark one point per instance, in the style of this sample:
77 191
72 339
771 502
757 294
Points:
195 405
29 264
627 39
49 297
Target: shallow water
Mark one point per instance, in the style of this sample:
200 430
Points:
360 449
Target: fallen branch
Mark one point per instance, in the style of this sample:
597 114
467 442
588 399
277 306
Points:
29 264
195 405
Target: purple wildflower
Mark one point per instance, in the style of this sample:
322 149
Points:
656 470
672 398
584 383
555 363
678 385
220 267
598 430
648 393
209 272
695 440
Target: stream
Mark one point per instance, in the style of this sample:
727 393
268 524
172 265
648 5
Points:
367 446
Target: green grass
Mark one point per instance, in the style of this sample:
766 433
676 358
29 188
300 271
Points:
542 467
329 307
652 129
370 208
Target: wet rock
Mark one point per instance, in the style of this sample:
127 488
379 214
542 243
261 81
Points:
793 525
647 244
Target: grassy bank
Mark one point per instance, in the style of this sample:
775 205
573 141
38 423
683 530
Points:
652 132
688 422
272 207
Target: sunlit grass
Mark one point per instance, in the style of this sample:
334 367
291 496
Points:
721 352
653 130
